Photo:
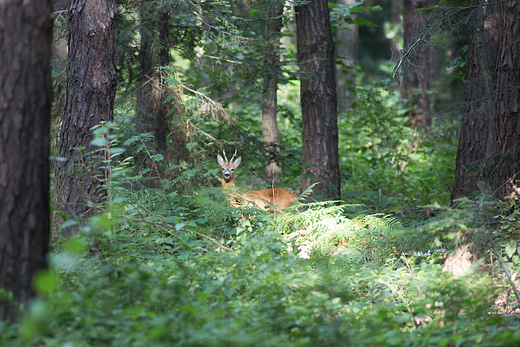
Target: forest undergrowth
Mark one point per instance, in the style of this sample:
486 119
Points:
179 267
164 260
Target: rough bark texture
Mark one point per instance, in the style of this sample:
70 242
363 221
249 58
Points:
506 160
91 87
273 169
318 99
395 19
59 68
473 127
143 113
346 50
488 155
161 127
153 113
416 80
25 105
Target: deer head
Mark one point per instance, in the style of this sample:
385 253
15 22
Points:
228 168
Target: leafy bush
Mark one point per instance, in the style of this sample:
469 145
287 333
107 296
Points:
388 165
178 266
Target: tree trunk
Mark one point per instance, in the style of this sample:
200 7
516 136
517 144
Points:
273 169
473 127
395 20
153 113
318 98
416 79
488 156
506 144
91 88
161 128
25 109
346 50
143 108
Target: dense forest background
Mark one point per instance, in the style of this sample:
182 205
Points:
395 122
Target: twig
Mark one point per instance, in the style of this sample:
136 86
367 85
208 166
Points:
508 274
205 134
417 41
218 244
167 228
433 26
413 276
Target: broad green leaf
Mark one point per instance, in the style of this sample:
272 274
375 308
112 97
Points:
510 248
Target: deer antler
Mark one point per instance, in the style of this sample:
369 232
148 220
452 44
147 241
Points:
234 155
224 152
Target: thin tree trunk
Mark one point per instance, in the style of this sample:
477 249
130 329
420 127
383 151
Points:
91 88
318 98
25 110
395 19
273 169
161 128
416 81
143 107
153 113
346 50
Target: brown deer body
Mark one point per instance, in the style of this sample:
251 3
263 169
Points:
274 199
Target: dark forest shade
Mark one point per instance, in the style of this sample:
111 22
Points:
416 79
25 106
488 152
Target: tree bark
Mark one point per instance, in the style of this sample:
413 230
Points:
91 88
506 145
143 108
488 156
25 106
153 113
416 80
273 169
346 50
318 98
161 128
395 19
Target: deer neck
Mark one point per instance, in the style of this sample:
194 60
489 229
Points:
230 182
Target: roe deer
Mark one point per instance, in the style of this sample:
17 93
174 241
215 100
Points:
274 198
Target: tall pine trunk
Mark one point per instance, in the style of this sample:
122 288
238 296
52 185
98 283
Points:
416 81
395 20
159 106
488 157
273 169
25 110
318 99
91 88
346 51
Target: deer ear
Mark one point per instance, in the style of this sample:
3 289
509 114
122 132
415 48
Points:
237 162
220 160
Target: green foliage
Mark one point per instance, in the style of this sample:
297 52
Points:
162 268
388 163
177 266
